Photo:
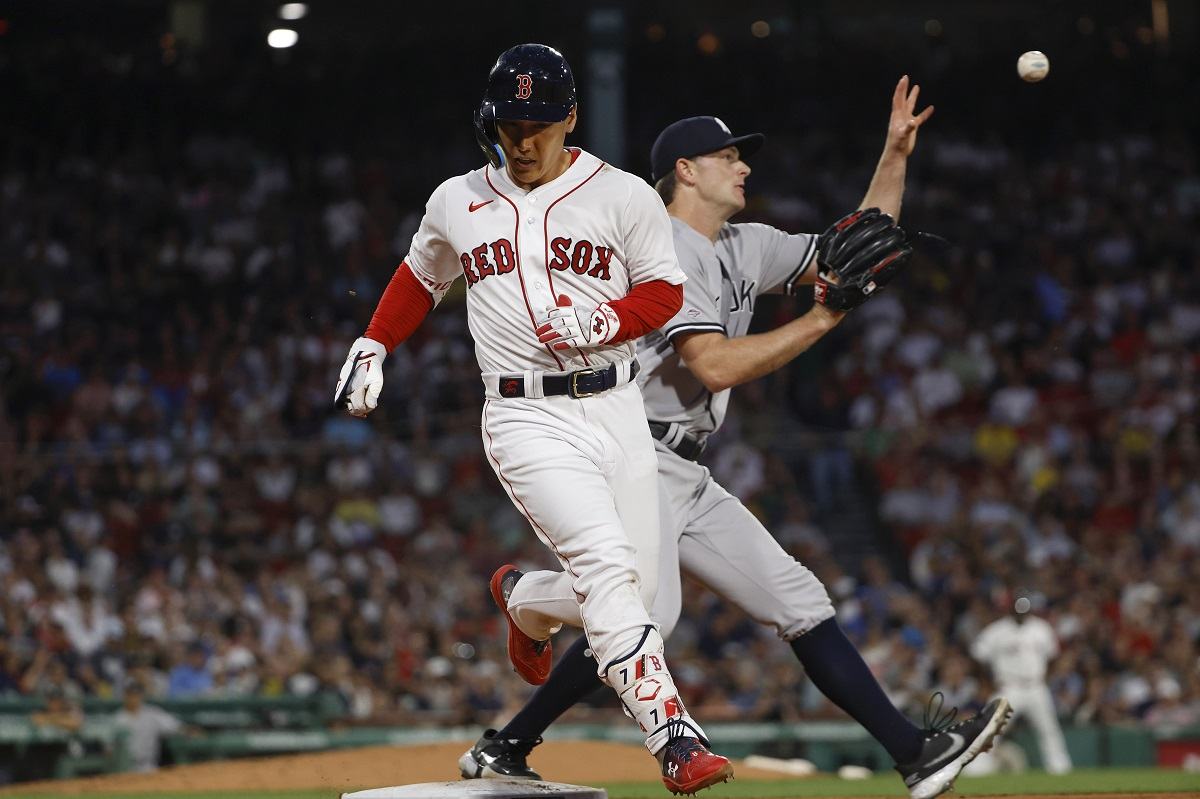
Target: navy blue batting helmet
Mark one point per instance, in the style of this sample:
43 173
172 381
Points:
529 81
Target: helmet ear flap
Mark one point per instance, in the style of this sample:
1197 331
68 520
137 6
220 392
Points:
486 136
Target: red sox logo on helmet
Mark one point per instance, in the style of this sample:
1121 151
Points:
524 87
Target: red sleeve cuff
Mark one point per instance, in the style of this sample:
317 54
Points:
404 305
648 306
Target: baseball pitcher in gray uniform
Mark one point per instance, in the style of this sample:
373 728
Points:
688 369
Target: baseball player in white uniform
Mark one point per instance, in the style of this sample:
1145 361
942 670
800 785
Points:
567 260
1018 647
689 367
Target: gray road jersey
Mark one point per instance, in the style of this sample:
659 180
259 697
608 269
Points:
724 279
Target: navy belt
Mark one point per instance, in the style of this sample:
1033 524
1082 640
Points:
678 440
578 384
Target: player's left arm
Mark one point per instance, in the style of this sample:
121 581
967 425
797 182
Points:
795 253
887 184
784 259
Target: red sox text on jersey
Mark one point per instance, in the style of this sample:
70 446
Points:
499 258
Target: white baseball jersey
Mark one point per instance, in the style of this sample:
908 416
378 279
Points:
1017 653
724 279
580 470
590 234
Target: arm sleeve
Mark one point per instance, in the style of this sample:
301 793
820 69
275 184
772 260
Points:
404 305
431 258
646 307
783 257
649 246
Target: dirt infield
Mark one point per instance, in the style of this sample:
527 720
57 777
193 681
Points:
565 761
579 762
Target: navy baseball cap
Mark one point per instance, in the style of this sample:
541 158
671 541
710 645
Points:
695 136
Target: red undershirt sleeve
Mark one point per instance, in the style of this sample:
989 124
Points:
404 305
648 306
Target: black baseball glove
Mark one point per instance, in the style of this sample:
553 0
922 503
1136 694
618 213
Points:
858 255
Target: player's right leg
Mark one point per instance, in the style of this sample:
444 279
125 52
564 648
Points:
504 753
1044 720
558 465
549 462
727 549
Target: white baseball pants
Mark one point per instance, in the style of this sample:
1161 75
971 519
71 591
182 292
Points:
1035 702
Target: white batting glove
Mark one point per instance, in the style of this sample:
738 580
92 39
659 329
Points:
361 379
566 326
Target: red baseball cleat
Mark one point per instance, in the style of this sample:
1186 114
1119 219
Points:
530 658
688 766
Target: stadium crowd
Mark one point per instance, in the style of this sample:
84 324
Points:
183 507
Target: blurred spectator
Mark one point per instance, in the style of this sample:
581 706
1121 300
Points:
58 722
59 713
146 726
190 677
10 664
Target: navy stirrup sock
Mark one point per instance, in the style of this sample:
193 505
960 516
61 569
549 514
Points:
572 679
838 670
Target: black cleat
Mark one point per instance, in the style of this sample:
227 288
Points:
498 758
948 749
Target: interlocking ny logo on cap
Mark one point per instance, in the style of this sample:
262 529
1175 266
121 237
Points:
524 87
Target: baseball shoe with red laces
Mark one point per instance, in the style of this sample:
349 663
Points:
530 658
688 766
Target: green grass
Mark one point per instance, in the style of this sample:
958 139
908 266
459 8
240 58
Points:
1095 781
1084 781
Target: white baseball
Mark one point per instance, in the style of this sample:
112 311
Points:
1033 66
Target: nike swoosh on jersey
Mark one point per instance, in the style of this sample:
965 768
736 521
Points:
473 207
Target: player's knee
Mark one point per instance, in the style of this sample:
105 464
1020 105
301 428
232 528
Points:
804 618
666 618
